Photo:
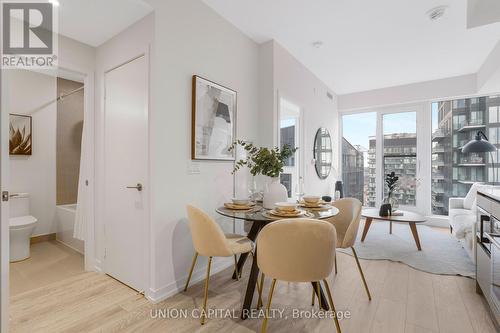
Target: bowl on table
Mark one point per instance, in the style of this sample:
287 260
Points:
311 199
286 206
241 201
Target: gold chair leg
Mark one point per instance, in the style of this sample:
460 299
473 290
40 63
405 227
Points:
313 297
191 271
204 312
260 288
264 324
236 268
335 264
318 287
362 275
330 298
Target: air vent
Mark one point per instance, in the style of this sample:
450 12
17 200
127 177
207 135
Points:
329 95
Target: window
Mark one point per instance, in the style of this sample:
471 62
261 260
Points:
454 123
358 156
400 154
493 113
290 135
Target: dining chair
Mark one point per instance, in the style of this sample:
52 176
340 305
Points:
210 241
346 223
280 258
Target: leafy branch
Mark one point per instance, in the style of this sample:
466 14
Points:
391 180
262 160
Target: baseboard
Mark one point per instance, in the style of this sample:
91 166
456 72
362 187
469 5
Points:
173 288
97 266
69 246
42 238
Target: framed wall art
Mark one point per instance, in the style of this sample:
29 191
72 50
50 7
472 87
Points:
213 120
20 134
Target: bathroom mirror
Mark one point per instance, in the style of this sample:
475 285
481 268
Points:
323 153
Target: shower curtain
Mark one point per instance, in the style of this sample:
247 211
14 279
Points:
81 222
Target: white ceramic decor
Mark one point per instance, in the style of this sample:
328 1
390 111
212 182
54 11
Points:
275 192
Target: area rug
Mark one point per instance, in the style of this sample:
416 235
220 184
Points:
441 252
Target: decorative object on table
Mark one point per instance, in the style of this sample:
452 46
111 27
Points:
20 134
392 182
323 153
338 196
385 210
213 122
266 162
339 187
480 144
326 198
300 189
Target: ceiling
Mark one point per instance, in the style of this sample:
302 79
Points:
95 21
367 44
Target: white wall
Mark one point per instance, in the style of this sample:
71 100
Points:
295 83
488 76
192 39
36 174
410 93
283 76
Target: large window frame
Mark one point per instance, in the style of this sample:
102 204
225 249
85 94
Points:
422 160
424 147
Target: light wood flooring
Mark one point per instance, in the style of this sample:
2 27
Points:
50 262
404 300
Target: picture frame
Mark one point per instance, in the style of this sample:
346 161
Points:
20 135
213 120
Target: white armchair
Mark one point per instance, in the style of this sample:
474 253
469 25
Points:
462 218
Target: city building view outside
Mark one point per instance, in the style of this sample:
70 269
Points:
400 155
454 123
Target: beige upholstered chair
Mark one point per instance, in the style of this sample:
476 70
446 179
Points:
347 224
210 241
280 258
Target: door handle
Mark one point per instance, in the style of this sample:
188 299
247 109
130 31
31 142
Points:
138 187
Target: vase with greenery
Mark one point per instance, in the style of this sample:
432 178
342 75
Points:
267 162
392 182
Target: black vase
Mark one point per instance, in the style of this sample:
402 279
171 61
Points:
385 210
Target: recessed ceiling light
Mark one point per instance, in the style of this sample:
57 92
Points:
54 3
317 44
436 13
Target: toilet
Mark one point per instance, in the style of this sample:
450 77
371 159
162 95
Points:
21 226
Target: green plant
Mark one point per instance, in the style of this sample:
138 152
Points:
262 160
391 180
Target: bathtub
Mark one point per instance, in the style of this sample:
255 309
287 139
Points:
65 218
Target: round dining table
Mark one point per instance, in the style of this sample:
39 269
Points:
259 218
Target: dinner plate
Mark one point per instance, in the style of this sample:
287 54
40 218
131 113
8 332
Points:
269 215
281 213
230 205
317 205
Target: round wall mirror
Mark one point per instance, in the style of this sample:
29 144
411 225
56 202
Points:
323 153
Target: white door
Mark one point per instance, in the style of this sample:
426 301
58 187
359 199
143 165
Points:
126 165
